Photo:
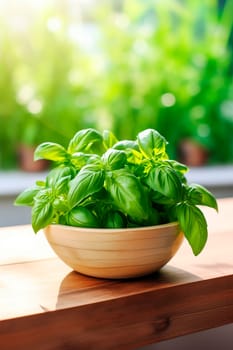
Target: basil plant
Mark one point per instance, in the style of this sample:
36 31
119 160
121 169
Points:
99 181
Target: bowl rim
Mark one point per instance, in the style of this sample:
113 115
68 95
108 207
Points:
112 230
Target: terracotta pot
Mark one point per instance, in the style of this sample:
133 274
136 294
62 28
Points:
115 253
26 161
192 153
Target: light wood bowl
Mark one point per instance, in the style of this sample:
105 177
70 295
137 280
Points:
115 253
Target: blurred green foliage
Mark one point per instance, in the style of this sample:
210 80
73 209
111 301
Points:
160 64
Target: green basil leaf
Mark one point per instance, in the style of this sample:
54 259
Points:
193 224
83 140
134 156
126 145
154 217
42 214
40 183
27 196
181 168
199 195
114 159
158 198
57 173
80 159
88 181
128 194
114 219
82 217
62 220
109 139
151 143
60 205
164 179
51 151
62 185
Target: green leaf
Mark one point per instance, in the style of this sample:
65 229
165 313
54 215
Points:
199 195
88 181
45 194
40 183
114 159
114 219
60 205
126 145
154 217
42 214
193 224
27 196
134 156
57 173
181 168
152 144
158 198
109 139
83 140
128 194
82 217
51 151
62 185
80 159
164 179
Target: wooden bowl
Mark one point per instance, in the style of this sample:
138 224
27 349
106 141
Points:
115 253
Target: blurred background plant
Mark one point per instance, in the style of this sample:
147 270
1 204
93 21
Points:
122 65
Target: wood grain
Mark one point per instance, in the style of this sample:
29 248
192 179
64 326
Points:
46 306
115 253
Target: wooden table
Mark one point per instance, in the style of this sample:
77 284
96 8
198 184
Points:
46 306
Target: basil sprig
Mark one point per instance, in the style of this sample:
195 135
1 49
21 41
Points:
100 181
